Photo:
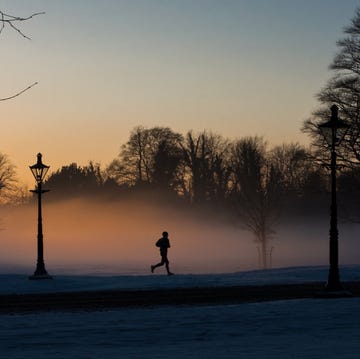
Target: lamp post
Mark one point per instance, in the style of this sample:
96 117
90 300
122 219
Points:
333 131
39 171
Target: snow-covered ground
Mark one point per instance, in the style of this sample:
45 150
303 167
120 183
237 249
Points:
20 284
310 328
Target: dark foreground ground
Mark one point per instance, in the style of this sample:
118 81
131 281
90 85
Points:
112 299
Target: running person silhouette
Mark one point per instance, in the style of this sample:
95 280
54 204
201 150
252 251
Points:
163 243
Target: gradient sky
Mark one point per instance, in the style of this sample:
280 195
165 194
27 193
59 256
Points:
235 67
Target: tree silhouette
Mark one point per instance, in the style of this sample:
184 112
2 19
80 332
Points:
136 162
75 180
8 181
342 89
257 189
206 169
294 163
166 162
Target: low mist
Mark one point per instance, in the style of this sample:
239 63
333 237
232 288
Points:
84 237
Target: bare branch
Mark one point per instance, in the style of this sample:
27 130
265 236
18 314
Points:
18 93
10 20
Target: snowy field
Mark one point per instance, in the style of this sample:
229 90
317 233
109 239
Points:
19 283
309 328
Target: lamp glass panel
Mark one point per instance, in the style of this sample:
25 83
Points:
326 130
341 130
39 171
340 127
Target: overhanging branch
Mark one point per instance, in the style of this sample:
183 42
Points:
10 20
18 93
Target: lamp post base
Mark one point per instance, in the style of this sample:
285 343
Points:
40 271
341 293
334 288
333 284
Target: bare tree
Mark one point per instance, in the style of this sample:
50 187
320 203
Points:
206 166
13 22
8 182
257 188
342 89
139 161
294 163
165 167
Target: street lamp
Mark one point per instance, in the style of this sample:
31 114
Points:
333 131
39 171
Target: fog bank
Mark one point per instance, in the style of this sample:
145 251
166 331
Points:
82 236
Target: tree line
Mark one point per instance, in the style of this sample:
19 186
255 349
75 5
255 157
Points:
198 168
